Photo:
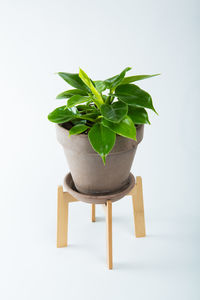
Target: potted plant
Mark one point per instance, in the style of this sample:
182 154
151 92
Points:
100 128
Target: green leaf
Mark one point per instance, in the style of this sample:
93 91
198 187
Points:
138 115
79 128
102 140
114 112
78 121
113 82
61 115
130 79
132 95
74 80
82 107
88 82
88 112
125 128
70 93
77 99
100 85
89 116
86 108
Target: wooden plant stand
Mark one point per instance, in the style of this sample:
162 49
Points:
64 198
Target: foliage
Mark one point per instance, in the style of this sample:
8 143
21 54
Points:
102 116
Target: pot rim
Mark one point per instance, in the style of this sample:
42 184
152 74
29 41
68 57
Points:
86 135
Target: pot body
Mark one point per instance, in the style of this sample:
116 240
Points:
89 174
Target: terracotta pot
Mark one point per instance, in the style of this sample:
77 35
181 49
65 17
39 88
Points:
88 172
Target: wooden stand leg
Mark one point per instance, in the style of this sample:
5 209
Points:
138 209
109 233
93 212
62 219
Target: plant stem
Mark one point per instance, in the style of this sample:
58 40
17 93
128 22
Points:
109 98
88 118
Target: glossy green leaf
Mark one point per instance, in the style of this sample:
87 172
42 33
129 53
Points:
85 108
138 115
77 99
61 115
100 85
125 128
78 121
89 116
113 82
102 140
70 93
74 80
130 79
82 107
88 82
88 112
77 129
132 95
114 112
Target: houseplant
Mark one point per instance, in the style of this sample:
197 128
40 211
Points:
100 127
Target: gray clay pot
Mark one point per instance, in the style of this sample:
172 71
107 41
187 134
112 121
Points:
88 172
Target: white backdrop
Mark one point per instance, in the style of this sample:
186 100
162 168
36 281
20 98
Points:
41 37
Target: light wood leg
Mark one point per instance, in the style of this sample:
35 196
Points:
62 219
138 209
93 212
109 233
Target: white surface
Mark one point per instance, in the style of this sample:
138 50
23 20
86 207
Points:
39 38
